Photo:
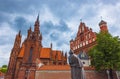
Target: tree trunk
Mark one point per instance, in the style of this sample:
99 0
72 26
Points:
111 73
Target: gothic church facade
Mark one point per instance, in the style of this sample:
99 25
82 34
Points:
85 39
23 59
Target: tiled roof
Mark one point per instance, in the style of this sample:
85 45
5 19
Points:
53 54
59 55
45 53
21 51
61 67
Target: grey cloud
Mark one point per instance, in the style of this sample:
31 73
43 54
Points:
47 27
21 24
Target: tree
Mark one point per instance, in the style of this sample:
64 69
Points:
4 66
4 69
106 54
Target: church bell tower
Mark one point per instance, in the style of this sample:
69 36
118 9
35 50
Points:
33 45
103 26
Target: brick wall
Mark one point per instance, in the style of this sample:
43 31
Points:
53 74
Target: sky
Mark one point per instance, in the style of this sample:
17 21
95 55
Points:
59 20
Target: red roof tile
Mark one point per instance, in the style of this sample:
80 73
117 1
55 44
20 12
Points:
45 53
53 54
59 55
21 51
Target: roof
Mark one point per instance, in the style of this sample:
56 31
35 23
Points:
56 53
45 53
21 51
102 22
59 55
61 67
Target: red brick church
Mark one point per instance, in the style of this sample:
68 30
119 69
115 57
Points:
84 40
23 58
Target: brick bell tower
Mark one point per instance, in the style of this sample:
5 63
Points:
13 57
33 46
103 26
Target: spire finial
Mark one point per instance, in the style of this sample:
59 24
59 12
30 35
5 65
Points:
80 20
38 17
19 32
51 45
101 17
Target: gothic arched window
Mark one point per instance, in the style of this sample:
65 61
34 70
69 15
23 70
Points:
30 55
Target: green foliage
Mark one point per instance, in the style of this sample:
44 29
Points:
106 54
4 66
3 69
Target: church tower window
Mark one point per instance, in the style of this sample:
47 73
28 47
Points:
30 55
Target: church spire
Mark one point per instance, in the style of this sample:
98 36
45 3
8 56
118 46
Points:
19 33
13 57
18 40
37 21
37 18
36 26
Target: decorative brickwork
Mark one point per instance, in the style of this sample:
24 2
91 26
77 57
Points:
25 59
86 38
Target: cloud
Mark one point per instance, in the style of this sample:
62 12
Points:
20 23
7 36
56 34
59 20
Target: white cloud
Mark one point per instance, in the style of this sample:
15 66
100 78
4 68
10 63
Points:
109 12
7 34
90 13
47 15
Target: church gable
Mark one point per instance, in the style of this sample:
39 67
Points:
84 37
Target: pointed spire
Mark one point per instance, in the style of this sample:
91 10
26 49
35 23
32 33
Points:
80 20
37 18
51 45
19 32
66 55
36 26
18 36
30 28
101 17
37 21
